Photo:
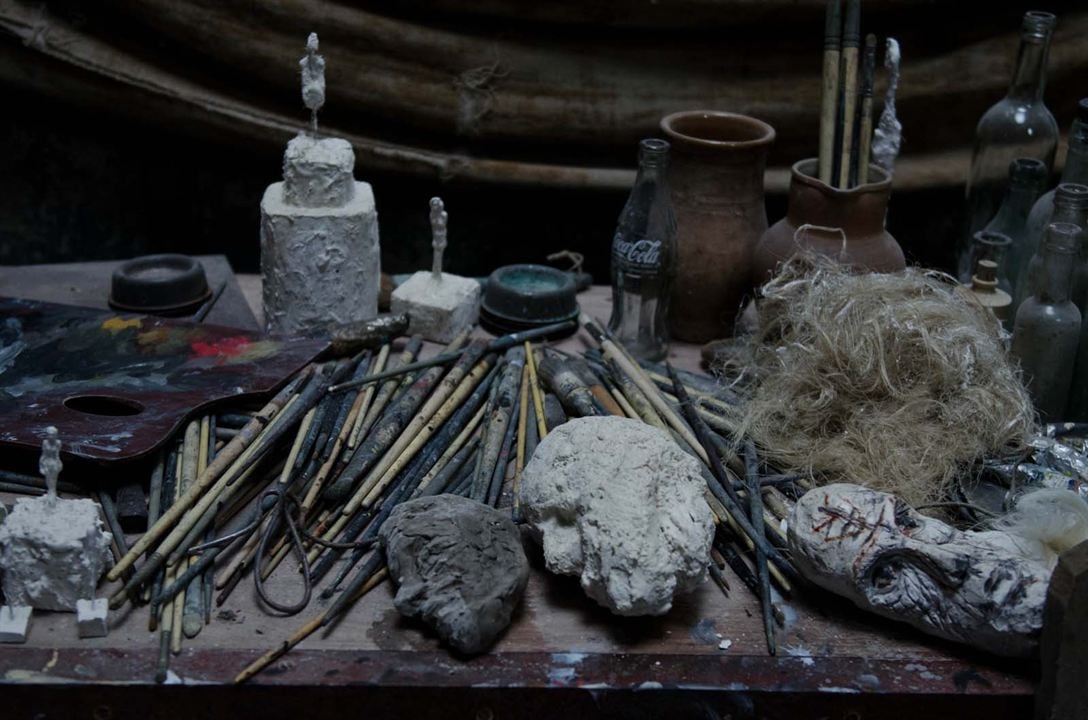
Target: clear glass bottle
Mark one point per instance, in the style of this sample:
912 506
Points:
644 257
1074 172
1027 179
1070 206
1047 329
1019 125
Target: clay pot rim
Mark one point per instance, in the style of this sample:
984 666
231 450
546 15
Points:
766 138
879 186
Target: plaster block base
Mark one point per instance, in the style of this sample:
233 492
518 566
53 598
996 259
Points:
321 266
439 310
14 623
52 554
92 618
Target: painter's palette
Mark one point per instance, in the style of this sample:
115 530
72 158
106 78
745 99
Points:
117 385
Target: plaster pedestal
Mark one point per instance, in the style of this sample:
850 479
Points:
14 623
52 554
319 241
92 618
441 309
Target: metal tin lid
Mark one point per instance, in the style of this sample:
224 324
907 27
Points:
160 285
522 297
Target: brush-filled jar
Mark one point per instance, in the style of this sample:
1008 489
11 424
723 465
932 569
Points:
846 225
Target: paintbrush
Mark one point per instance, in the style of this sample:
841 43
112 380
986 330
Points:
865 122
829 92
851 36
755 511
561 377
500 415
499 344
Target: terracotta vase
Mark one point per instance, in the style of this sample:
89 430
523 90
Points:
847 225
716 177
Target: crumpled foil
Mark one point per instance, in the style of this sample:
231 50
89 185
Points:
1058 459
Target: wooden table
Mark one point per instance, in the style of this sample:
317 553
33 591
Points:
563 656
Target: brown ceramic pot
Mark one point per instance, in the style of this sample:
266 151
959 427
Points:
830 214
716 179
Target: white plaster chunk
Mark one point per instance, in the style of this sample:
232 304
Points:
617 503
439 309
92 618
52 553
14 623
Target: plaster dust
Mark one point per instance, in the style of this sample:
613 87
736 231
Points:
52 554
619 504
459 565
439 309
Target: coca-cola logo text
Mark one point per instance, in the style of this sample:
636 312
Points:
638 252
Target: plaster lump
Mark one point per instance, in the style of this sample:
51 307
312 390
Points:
618 504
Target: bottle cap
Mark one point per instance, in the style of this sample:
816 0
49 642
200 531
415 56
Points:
1062 238
1027 172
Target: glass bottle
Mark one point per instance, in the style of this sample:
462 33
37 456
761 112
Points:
1019 125
1075 172
1047 329
1070 206
643 258
1027 178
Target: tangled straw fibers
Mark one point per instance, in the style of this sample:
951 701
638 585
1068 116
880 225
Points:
892 381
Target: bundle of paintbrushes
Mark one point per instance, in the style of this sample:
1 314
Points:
315 471
846 106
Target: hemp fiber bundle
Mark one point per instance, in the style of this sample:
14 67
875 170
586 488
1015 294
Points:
892 381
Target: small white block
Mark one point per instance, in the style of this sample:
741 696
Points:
91 618
439 310
14 623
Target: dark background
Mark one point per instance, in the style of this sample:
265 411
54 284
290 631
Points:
85 181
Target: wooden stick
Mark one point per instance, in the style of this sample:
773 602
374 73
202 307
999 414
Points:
534 389
499 416
364 398
865 129
829 91
851 36
755 511
224 460
523 422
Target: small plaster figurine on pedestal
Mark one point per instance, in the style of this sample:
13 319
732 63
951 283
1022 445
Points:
52 550
319 228
440 306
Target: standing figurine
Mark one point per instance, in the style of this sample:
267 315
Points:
439 221
49 464
313 80
319 228
439 305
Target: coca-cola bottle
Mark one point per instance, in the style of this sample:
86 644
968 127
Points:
643 258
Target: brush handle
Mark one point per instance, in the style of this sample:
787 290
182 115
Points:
829 91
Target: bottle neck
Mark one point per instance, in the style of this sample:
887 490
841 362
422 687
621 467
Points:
1029 79
1057 273
1018 200
1076 160
1069 211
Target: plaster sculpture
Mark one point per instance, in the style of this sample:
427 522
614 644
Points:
319 228
620 505
985 589
52 550
458 564
440 306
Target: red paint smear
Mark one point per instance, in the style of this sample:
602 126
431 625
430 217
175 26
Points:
228 347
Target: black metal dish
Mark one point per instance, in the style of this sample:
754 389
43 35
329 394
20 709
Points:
169 285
